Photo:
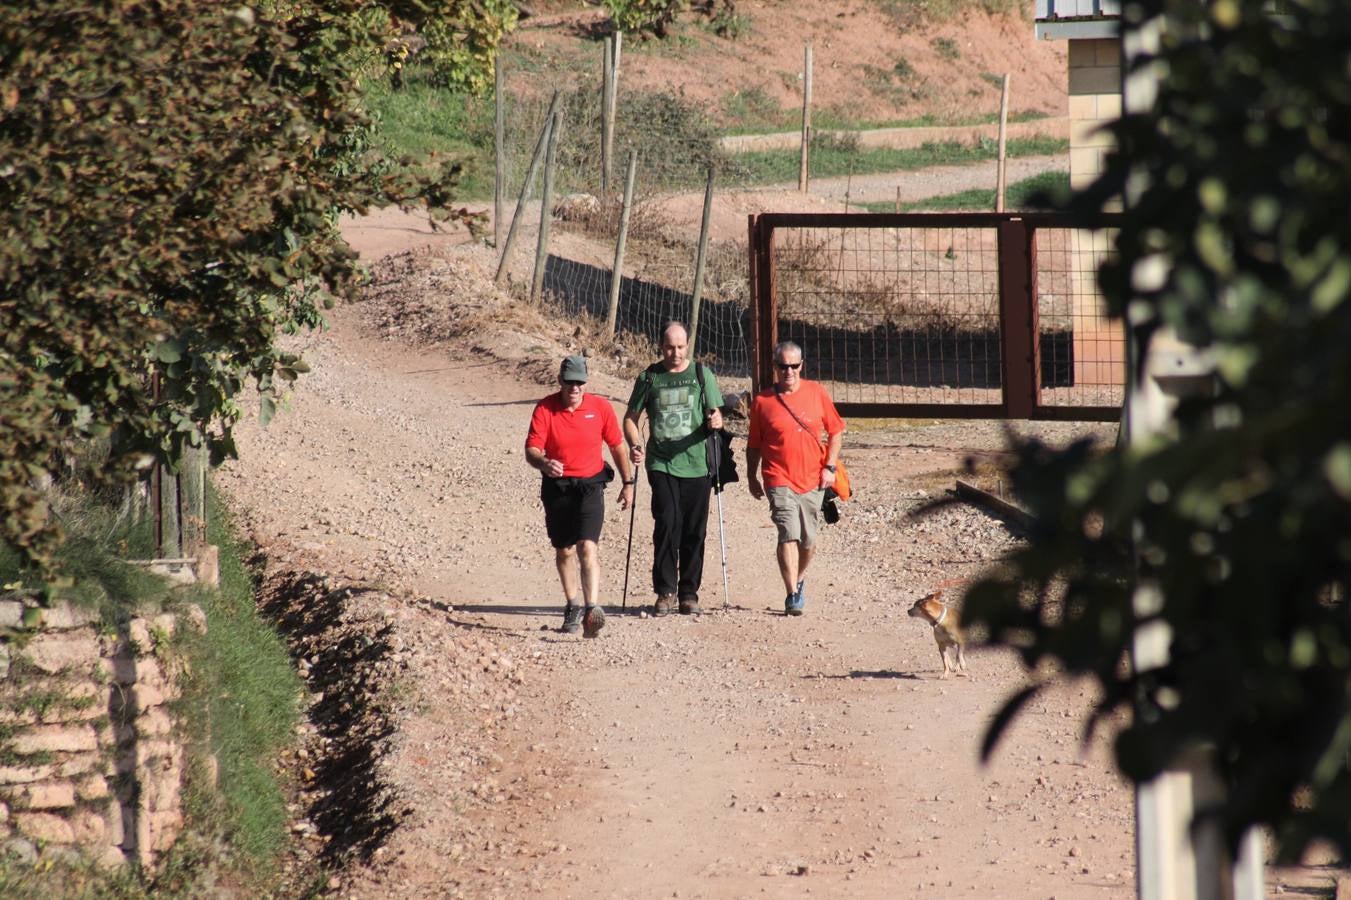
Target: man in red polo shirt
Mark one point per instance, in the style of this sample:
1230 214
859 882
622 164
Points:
787 420
567 430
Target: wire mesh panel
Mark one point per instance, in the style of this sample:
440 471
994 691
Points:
893 315
942 314
1085 350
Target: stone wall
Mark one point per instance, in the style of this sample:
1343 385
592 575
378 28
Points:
89 765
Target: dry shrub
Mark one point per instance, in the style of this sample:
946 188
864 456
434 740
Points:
427 297
598 217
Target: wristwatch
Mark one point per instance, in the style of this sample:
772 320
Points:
634 481
828 467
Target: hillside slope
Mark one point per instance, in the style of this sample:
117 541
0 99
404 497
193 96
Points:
874 60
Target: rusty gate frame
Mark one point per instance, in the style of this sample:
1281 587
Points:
1020 339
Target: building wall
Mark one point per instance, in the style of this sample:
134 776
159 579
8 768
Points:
1095 98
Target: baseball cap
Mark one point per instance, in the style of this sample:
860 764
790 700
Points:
574 369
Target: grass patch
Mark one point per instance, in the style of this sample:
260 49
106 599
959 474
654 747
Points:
101 534
243 693
908 15
831 158
946 47
1053 188
423 118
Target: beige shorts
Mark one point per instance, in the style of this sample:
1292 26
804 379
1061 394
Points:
795 515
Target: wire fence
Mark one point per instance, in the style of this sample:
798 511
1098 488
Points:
674 147
894 315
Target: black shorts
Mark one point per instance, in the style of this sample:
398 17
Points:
574 508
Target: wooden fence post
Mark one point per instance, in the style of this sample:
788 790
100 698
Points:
1003 124
805 150
606 123
499 145
546 213
171 532
699 258
540 143
193 503
617 277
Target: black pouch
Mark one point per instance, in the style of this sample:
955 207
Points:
830 510
604 476
721 461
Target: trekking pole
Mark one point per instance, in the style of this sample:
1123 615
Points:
628 556
722 543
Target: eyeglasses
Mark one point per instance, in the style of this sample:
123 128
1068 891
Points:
784 367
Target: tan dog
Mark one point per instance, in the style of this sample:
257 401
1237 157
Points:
947 627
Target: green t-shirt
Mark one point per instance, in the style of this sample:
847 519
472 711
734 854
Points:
675 411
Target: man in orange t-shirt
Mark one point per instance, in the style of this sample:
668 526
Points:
787 420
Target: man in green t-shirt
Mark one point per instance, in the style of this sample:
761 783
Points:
679 411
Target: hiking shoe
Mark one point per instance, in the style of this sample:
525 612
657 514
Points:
689 606
665 605
593 621
800 593
572 618
793 604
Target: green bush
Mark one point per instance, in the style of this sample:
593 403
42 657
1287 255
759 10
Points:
643 17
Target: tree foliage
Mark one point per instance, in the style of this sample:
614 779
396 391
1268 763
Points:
462 42
170 176
1238 176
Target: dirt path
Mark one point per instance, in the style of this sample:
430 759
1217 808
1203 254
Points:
720 756
738 753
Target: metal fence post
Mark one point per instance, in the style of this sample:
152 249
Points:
1021 359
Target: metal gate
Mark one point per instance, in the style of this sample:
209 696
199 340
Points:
944 315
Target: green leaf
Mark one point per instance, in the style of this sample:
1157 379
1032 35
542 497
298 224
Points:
1337 468
170 351
1331 290
267 408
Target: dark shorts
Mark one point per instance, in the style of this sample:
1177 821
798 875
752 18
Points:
574 508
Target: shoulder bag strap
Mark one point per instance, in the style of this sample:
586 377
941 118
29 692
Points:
778 393
703 391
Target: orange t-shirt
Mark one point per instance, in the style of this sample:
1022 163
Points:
789 454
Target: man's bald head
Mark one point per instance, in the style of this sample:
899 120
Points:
674 347
674 333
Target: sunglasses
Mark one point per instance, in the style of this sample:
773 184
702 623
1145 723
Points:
574 384
784 367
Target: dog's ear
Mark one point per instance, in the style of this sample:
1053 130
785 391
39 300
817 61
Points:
936 595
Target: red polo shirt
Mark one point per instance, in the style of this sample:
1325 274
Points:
574 437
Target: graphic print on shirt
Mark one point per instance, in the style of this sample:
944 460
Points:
675 412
